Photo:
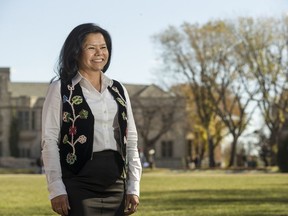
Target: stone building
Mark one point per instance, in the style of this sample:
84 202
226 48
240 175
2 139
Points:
160 119
5 112
20 116
165 132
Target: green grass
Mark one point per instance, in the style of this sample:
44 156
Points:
168 193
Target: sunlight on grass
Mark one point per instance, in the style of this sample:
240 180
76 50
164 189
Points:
24 195
168 193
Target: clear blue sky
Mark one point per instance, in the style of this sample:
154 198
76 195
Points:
33 31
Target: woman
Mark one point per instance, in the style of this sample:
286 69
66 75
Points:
89 138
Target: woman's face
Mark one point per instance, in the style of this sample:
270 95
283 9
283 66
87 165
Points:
94 55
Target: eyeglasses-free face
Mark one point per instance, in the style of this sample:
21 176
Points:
94 55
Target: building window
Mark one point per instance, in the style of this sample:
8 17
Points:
23 120
33 120
167 149
24 152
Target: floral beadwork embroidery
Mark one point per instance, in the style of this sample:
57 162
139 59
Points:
72 118
66 117
121 101
124 116
71 158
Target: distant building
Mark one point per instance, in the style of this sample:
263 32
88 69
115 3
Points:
161 123
21 103
20 120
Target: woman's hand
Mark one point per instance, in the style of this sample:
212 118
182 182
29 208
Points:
60 204
132 202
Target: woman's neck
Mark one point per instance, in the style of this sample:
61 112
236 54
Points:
95 78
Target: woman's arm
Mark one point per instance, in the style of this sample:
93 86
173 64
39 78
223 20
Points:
51 122
134 164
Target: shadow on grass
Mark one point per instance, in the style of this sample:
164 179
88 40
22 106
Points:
213 202
219 196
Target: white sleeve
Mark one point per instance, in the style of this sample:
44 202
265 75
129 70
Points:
51 122
134 163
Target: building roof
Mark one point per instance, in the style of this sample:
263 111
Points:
39 89
29 89
144 91
4 69
134 89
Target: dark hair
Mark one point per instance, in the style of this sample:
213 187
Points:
71 50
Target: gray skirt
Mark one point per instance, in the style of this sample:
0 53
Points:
98 188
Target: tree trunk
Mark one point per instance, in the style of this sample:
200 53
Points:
232 155
211 153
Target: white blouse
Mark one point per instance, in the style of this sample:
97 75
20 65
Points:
104 109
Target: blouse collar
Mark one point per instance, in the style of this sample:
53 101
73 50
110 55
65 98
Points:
106 81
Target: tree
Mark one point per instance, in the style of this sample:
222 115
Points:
200 140
233 69
263 51
282 154
201 56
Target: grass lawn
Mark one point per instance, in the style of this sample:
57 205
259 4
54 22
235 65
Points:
168 193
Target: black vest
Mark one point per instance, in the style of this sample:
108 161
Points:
77 130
